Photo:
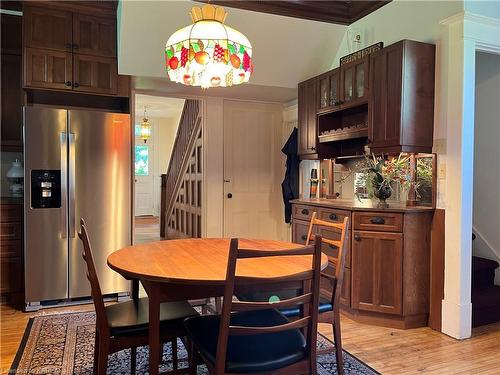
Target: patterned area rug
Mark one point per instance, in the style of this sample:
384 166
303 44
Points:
64 344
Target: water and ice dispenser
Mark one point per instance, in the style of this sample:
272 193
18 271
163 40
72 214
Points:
45 188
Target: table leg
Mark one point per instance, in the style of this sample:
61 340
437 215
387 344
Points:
135 290
154 330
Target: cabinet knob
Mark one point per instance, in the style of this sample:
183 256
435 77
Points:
305 211
357 237
68 45
333 217
377 220
68 83
304 237
76 46
229 195
76 84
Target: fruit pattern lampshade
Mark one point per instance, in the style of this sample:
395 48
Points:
208 53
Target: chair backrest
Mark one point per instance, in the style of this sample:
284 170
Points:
102 322
339 260
309 299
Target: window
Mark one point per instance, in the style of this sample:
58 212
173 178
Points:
141 160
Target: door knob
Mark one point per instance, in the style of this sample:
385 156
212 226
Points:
229 195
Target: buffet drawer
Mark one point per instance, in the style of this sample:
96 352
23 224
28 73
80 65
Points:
303 212
378 221
333 215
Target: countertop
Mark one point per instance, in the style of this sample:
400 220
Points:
364 205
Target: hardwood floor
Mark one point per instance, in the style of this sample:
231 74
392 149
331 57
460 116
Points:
389 351
147 229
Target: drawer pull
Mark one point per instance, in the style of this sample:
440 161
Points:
304 237
377 220
305 211
333 217
357 237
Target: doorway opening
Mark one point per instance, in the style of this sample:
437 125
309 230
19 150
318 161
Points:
152 156
485 288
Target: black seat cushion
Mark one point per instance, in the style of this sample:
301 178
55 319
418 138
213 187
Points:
128 318
249 354
324 306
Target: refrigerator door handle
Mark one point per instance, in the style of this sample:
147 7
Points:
64 185
71 182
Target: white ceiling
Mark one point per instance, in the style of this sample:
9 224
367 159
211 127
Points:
158 106
285 50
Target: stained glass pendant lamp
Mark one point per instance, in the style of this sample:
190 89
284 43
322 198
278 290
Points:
208 53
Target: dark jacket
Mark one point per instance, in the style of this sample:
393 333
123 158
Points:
290 184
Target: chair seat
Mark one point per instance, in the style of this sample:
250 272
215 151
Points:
249 354
324 306
129 319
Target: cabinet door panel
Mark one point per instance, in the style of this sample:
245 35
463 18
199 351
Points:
11 271
354 82
307 111
47 28
47 69
95 74
377 271
385 108
94 35
11 93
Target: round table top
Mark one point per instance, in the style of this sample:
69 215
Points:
204 261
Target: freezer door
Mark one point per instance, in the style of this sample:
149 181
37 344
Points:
46 237
99 191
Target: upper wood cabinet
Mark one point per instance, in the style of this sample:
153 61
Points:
67 47
94 74
401 109
307 109
329 90
48 69
354 78
11 83
47 28
94 35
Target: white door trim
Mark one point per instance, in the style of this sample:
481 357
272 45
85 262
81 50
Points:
464 34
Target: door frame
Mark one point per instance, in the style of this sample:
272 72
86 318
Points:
463 35
133 93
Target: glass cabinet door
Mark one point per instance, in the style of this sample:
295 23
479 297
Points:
334 88
360 81
323 93
348 84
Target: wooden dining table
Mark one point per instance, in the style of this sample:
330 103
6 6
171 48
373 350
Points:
187 269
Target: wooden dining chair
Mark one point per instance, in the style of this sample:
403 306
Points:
255 337
125 325
329 301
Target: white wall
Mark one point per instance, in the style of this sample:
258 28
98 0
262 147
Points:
488 8
486 158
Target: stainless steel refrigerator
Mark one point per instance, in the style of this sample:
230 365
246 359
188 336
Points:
77 165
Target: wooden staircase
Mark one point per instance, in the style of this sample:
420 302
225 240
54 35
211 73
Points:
485 294
181 190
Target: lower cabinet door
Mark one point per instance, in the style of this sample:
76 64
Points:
95 74
11 271
377 272
47 69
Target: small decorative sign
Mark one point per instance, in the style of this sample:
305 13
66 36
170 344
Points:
361 53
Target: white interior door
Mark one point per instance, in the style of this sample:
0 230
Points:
253 170
144 177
